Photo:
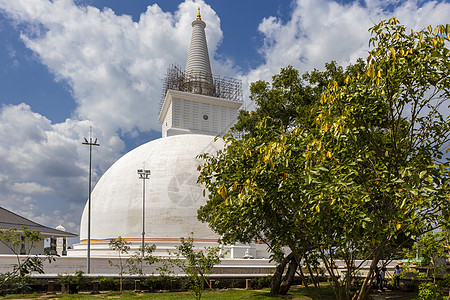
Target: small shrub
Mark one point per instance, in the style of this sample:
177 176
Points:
261 282
149 284
108 284
12 283
154 283
196 264
18 280
429 291
445 282
73 282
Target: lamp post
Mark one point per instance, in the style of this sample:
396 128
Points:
143 174
90 143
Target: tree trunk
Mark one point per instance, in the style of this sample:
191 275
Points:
278 275
314 281
289 277
365 288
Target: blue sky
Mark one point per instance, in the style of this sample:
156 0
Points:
66 65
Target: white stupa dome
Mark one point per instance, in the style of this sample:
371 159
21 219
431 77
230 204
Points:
172 194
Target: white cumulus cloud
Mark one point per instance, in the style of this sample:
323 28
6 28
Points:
29 188
320 31
115 66
44 165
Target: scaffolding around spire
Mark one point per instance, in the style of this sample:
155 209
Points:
221 87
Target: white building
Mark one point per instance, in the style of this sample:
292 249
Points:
56 236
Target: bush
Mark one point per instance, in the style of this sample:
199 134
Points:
429 291
154 283
11 283
108 284
445 282
73 282
261 282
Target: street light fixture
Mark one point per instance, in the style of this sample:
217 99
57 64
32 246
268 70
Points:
90 143
143 174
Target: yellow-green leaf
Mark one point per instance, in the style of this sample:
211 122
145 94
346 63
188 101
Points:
434 42
347 79
392 52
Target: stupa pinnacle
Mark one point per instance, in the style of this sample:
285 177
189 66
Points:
198 66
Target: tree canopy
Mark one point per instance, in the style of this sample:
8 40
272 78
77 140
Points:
291 96
359 172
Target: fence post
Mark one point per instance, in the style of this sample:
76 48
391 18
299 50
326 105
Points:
137 285
248 284
51 287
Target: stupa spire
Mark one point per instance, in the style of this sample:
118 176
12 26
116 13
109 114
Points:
198 67
195 101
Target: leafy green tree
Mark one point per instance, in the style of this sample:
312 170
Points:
196 264
283 105
382 137
291 96
364 178
253 194
20 242
431 248
285 100
136 261
122 247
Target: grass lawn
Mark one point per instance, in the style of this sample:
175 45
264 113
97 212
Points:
296 292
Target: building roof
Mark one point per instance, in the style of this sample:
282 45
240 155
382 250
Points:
9 219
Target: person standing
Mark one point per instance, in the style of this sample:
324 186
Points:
382 273
377 275
397 274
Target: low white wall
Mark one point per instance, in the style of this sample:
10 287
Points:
101 266
231 267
